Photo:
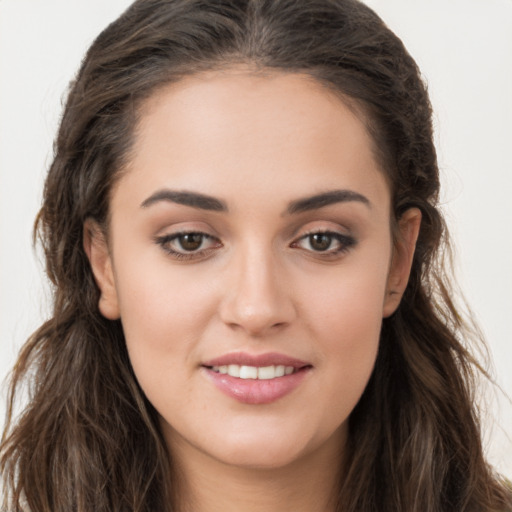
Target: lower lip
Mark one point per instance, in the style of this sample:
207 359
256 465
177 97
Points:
255 391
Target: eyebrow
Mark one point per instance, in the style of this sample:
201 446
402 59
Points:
325 199
206 202
192 199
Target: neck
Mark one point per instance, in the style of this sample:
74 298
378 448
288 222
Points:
306 485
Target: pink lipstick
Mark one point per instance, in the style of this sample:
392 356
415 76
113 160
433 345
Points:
256 379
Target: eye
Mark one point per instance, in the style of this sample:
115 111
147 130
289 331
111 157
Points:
190 241
327 242
188 245
320 241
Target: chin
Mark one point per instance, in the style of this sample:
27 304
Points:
263 438
260 457
275 449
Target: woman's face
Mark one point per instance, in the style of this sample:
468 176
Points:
251 263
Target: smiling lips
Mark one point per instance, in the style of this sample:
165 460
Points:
254 372
256 379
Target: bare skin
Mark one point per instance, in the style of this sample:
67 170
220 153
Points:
252 223
294 487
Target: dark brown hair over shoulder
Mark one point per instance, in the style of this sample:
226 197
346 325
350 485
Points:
89 440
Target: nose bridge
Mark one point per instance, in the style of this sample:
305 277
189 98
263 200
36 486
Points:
256 299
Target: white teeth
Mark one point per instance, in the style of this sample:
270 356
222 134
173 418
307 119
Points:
234 370
266 372
254 372
248 372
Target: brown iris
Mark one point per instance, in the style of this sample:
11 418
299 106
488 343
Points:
320 241
190 241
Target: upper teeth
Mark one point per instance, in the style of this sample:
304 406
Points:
254 372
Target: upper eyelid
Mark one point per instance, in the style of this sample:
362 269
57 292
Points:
167 237
315 231
176 234
173 236
164 240
335 234
170 234
346 240
297 235
321 225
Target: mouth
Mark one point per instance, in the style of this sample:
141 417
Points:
258 379
258 367
254 372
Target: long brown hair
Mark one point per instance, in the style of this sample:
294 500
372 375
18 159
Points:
89 440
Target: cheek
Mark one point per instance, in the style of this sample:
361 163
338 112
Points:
163 316
349 300
351 334
344 315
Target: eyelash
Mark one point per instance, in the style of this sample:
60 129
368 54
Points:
345 243
165 241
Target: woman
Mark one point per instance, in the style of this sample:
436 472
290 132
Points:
250 311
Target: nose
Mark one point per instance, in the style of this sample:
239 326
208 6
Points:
257 298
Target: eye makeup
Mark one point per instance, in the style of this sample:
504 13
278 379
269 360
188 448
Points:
188 245
325 243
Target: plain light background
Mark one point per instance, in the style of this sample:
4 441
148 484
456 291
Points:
464 49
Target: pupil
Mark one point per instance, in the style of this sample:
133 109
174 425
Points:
191 241
320 241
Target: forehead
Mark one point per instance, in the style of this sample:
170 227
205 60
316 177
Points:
250 129
246 98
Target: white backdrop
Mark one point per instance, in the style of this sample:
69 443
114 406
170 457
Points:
464 48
